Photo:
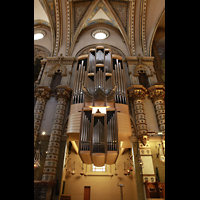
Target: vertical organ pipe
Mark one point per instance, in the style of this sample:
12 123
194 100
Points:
79 70
121 81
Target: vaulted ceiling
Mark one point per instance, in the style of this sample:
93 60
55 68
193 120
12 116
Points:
138 22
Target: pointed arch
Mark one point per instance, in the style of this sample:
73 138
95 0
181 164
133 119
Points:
80 26
48 11
149 50
41 52
87 15
120 24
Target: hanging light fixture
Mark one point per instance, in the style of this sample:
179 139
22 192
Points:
125 172
73 171
130 164
37 159
82 173
116 172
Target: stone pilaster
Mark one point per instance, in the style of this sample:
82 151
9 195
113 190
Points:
50 166
157 94
137 93
42 95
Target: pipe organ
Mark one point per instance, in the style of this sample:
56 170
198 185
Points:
99 119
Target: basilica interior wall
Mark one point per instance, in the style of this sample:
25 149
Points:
101 186
114 39
46 41
48 115
152 125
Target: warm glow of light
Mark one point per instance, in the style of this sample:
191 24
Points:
38 36
75 146
100 36
43 133
159 133
101 109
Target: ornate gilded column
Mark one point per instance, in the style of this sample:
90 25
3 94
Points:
137 93
157 94
42 95
49 172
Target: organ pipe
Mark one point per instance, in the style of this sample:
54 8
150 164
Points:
99 76
111 134
99 56
98 138
85 133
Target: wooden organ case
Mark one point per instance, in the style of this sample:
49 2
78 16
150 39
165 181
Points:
99 117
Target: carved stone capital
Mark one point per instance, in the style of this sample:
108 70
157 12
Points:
42 92
63 92
137 92
157 92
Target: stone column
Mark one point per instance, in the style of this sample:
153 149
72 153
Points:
137 93
50 166
42 95
157 94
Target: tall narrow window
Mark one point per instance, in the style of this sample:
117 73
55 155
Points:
143 79
56 80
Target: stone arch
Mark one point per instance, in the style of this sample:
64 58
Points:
41 52
145 68
58 68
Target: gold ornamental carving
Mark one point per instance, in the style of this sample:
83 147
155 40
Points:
137 92
42 92
157 92
63 92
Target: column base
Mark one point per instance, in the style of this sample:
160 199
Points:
43 189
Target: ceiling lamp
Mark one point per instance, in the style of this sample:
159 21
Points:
39 34
100 34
